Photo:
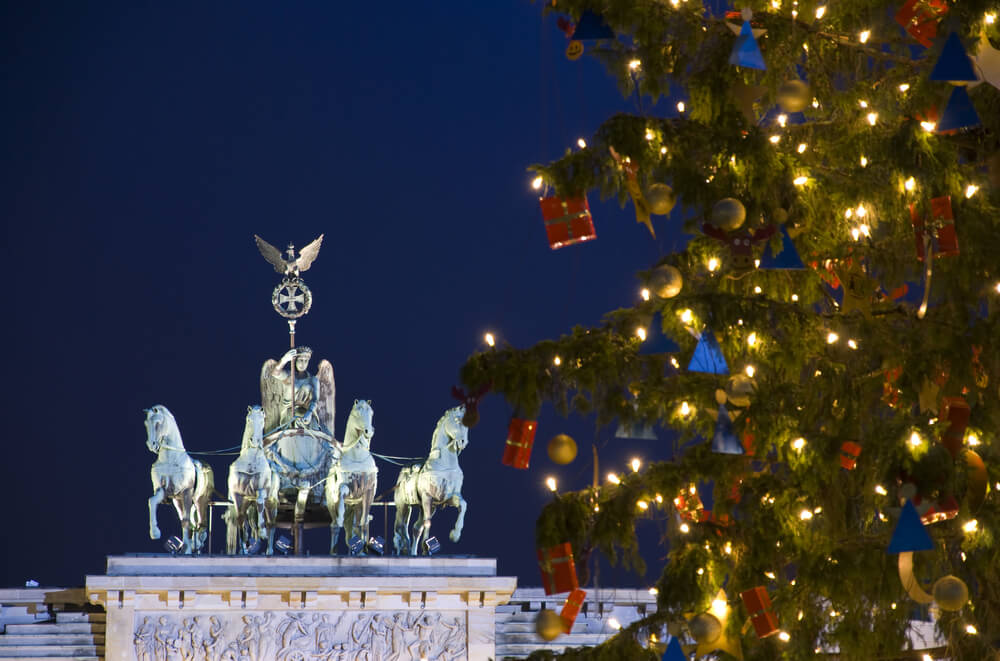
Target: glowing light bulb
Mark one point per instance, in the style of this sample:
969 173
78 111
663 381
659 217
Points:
663 150
864 36
784 636
685 408
719 608
795 297
640 332
973 440
997 287
614 479
687 316
757 289
865 229
770 575
864 161
643 505
614 623
490 340
805 515
701 570
649 134
644 293
915 440
969 629
728 548
752 339
910 184
970 190
798 444
855 233
820 11
775 4
872 118
536 183
685 528
928 126
862 103
680 106
990 18
802 147
815 103
557 361
904 87
970 526
551 483
673 361
799 181
782 120
713 264
659 498
861 211
750 370
581 143
832 337
775 139
636 464
634 65
654 591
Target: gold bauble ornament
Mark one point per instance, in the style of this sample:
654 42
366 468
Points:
793 96
548 625
950 593
661 199
705 628
666 281
728 214
562 449
739 388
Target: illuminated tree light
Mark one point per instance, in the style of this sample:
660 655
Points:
551 483
644 293
798 444
872 118
864 36
490 340
614 479
636 464
910 184
557 361
640 332
536 183
680 106
832 337
775 139
970 190
802 147
800 181
928 126
904 87
750 370
970 526
880 490
805 515
634 65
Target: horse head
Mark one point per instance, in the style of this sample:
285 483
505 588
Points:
160 425
457 433
253 431
360 426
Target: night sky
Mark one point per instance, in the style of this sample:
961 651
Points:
144 144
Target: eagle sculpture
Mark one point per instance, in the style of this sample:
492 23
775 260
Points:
292 266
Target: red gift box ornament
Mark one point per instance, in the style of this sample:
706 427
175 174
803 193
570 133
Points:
570 609
936 235
954 411
520 440
849 453
567 221
920 19
758 604
558 569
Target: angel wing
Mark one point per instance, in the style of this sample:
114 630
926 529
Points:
272 254
308 255
327 391
270 396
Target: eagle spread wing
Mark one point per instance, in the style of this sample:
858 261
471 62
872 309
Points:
272 254
308 254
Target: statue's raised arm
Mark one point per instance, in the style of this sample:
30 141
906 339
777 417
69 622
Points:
303 401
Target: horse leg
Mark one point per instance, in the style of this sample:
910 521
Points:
426 512
182 503
456 532
401 528
154 501
232 528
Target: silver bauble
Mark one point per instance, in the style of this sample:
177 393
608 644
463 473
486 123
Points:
705 628
661 199
548 624
728 214
666 281
793 96
739 388
950 593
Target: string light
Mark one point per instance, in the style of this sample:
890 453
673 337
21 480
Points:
536 183
910 184
685 408
861 211
831 337
614 623
782 120
750 370
970 526
490 340
643 505
614 479
872 118
659 498
680 106
713 265
798 444
636 464
800 181
795 297
970 190
915 440
973 440
640 332
864 161
865 229
990 18
687 316
770 575
820 11
752 339
862 103
863 37
551 483
904 87
775 139
701 570
719 608
557 361
802 147
757 289
663 150
805 515
969 629
784 636
685 528
880 490
649 134
644 293
928 126
634 65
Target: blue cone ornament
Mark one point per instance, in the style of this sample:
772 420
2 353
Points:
746 52
954 65
707 357
724 441
959 113
910 534
674 651
788 259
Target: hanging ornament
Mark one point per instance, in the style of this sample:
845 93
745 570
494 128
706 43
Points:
558 569
724 440
631 170
739 389
745 14
955 412
758 605
849 453
471 403
728 214
794 95
567 221
858 288
954 65
950 593
739 242
786 260
520 440
548 625
571 608
674 651
746 52
959 113
707 356
920 19
574 50
910 534
562 449
666 281
661 198
987 61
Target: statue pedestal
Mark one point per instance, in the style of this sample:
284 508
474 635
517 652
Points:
161 608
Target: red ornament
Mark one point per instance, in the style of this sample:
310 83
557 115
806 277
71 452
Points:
758 604
943 241
520 440
944 509
740 243
558 569
570 609
849 453
689 507
567 221
955 411
920 19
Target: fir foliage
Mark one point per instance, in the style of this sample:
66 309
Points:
832 583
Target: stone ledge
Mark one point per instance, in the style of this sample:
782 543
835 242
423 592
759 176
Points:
366 566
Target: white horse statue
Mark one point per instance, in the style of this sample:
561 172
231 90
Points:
350 486
177 477
253 487
435 483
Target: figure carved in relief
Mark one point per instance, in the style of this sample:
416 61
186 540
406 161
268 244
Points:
143 641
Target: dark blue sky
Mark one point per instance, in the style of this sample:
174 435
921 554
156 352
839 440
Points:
143 146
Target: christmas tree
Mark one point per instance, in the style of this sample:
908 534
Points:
834 392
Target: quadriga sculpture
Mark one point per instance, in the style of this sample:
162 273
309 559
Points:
177 477
435 483
253 489
350 486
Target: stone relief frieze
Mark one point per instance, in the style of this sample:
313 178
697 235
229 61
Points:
301 636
